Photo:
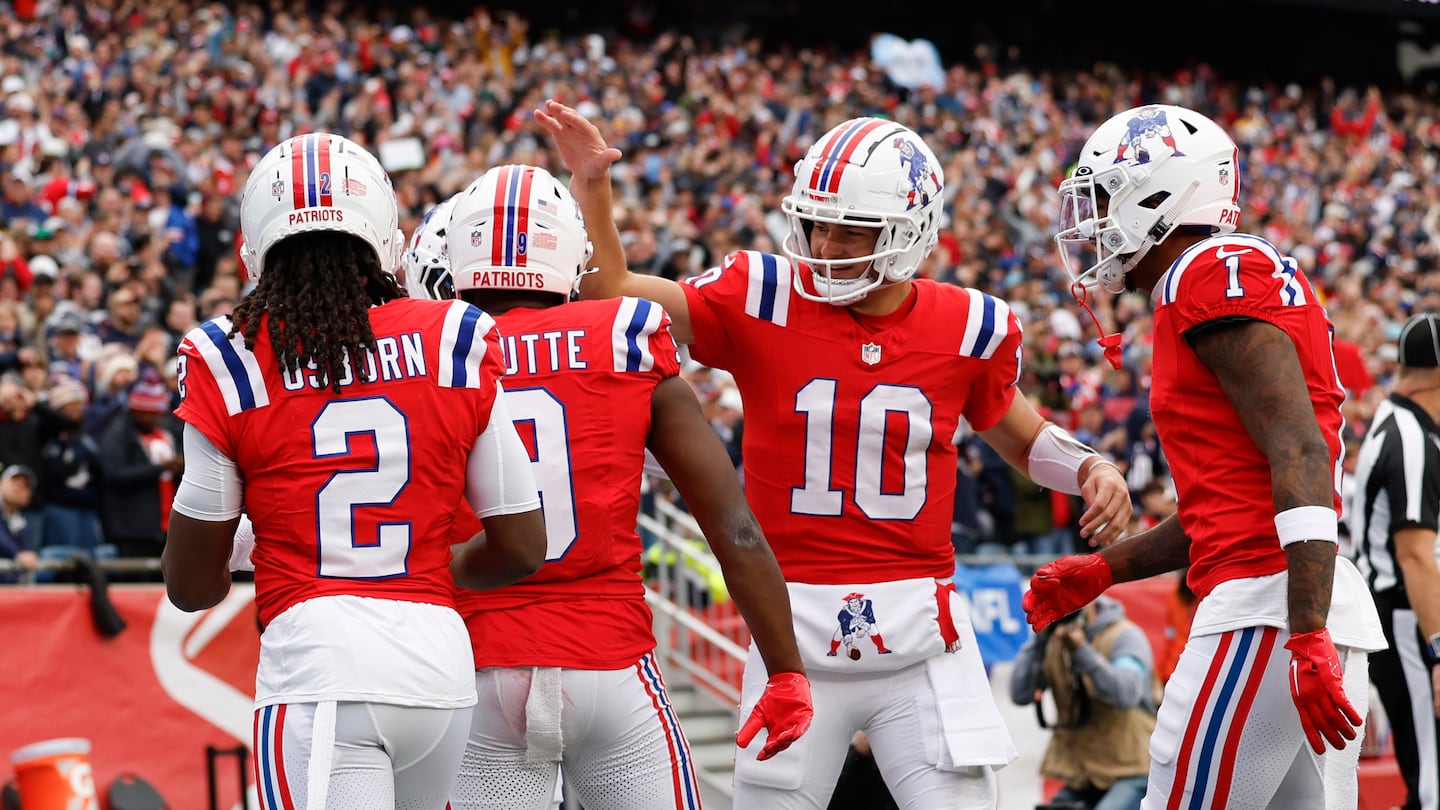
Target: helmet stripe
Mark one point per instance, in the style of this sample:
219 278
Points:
512 188
297 175
522 216
310 196
322 150
497 230
838 152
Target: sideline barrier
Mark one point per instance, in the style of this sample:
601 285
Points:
149 700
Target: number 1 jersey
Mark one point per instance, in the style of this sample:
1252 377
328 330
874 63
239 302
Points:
848 447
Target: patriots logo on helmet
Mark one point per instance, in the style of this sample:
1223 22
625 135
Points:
919 174
1148 123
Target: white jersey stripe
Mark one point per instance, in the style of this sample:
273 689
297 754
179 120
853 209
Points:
635 321
235 369
768 294
986 325
462 345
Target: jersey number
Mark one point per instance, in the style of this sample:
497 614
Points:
342 552
550 461
818 497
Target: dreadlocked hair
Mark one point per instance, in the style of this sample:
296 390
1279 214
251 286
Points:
317 288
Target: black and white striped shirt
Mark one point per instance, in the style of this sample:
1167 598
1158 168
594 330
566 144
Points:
1397 485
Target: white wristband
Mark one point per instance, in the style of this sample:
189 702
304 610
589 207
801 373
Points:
1307 523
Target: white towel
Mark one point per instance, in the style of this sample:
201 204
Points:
543 742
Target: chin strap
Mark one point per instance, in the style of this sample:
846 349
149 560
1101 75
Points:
1111 342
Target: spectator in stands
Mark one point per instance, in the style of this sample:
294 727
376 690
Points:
1099 669
20 423
142 463
68 332
17 487
69 473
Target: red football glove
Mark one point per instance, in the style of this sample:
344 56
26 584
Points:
1064 586
1317 687
784 709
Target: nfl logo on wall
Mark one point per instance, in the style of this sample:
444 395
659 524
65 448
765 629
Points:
870 353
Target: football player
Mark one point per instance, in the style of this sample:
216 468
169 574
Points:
858 374
565 664
307 407
1273 680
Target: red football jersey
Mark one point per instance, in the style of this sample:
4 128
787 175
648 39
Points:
341 488
849 457
1222 480
578 383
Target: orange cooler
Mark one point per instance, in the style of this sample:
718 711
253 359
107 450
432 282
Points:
55 775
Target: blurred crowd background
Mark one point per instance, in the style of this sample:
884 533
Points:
127 130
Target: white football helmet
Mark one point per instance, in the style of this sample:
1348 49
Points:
427 258
517 228
318 182
872 173
1159 167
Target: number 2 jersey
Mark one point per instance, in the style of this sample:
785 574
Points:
848 447
341 490
578 383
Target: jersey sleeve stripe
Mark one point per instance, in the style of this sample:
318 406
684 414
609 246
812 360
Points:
234 368
635 321
986 326
462 347
768 295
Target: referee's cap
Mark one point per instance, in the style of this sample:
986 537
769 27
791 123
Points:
1420 341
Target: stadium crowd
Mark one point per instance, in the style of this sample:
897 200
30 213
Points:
128 130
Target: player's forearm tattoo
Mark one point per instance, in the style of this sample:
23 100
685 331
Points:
1163 548
1311 569
1260 372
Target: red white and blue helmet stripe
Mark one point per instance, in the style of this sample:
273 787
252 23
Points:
511 225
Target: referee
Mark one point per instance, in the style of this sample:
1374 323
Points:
1393 524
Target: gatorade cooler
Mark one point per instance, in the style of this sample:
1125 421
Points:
55 775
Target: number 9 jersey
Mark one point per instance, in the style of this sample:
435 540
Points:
848 447
342 488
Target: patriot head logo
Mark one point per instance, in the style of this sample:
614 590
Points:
920 175
856 621
1147 125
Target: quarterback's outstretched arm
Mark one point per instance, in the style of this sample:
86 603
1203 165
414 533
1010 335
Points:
1260 372
588 158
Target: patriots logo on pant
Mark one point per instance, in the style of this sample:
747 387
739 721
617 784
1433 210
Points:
856 620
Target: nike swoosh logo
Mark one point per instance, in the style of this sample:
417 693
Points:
1222 254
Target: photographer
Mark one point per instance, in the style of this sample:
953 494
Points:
1099 668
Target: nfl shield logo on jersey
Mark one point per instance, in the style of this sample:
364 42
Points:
870 353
